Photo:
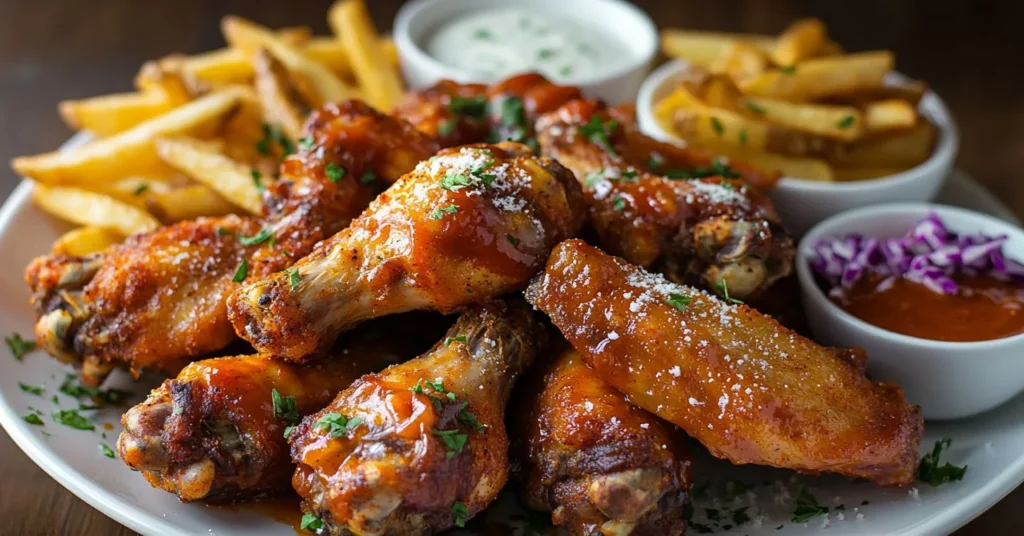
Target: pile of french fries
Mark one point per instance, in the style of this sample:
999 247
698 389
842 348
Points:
202 134
796 103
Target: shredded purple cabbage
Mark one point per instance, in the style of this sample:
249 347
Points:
930 254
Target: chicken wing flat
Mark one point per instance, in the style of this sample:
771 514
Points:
158 300
747 388
419 447
600 465
469 224
676 211
217 431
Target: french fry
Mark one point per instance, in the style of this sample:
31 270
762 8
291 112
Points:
889 114
189 203
912 93
131 152
163 78
704 48
281 104
821 77
858 174
812 169
135 191
721 92
228 178
249 36
111 114
900 148
350 21
90 208
802 40
742 60
85 240
694 120
840 122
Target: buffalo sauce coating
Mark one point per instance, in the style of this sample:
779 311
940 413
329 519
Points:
755 392
983 309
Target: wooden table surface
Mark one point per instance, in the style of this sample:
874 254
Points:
968 50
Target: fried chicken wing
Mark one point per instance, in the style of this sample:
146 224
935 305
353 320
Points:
158 300
469 224
711 230
216 432
747 388
421 446
600 465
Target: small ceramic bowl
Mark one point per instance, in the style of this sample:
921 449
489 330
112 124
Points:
949 380
803 203
417 19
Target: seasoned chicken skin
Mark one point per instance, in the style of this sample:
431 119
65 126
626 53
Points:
748 389
421 446
158 300
469 224
670 209
600 465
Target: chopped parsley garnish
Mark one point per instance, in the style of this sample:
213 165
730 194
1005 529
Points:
455 181
454 441
845 122
512 111
293 277
284 406
546 53
482 34
717 125
288 431
460 512
655 161
599 133
273 134
593 178
334 172
311 522
457 338
106 451
33 389
178 410
743 136
306 142
439 212
512 240
565 71
469 106
727 185
256 180
723 291
222 231
32 418
447 126
619 204
367 177
255 239
629 174
241 272
469 419
755 107
739 516
19 347
140 189
75 390
929 470
679 301
807 507
337 424
71 418
788 69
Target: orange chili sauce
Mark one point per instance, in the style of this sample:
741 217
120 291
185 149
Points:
284 510
983 309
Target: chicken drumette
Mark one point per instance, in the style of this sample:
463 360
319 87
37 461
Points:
600 465
158 300
469 224
421 446
747 388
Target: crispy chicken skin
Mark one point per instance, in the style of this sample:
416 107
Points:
212 433
600 465
469 224
747 388
419 447
701 231
158 300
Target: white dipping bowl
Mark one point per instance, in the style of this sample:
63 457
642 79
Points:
418 19
949 380
803 203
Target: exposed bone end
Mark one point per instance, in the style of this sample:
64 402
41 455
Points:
625 496
55 335
742 278
94 371
141 444
195 481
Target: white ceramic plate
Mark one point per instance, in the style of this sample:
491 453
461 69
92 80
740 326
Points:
992 445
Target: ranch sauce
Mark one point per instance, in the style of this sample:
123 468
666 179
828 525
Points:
492 44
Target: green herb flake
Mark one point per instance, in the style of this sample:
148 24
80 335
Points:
655 161
482 34
739 516
546 53
334 172
618 204
845 122
457 338
460 512
755 107
439 212
807 507
257 181
716 124
929 470
288 431
679 301
255 239
475 107
106 451
294 277
600 132
306 142
565 71
368 177
311 522
241 272
512 240
788 69
19 347
743 136
222 231
469 419
178 410
33 389
454 441
285 407
32 418
455 181
723 291
73 389
337 425
447 126
71 418
140 189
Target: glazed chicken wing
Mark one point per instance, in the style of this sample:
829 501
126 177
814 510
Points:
676 211
600 465
750 390
421 446
469 224
216 431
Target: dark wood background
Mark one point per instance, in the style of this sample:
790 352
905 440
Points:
969 50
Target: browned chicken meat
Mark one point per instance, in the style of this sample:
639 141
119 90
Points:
677 211
218 431
469 224
600 465
158 300
420 447
748 389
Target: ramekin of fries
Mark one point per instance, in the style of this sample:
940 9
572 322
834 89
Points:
844 129
203 134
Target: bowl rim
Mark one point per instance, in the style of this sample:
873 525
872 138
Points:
944 153
408 47
810 289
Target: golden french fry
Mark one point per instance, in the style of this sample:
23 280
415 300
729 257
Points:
227 65
694 120
85 240
821 77
889 114
899 148
163 78
742 60
90 208
111 114
135 191
231 180
704 48
351 23
281 104
131 152
858 174
189 203
912 93
721 92
248 36
812 169
840 122
802 40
